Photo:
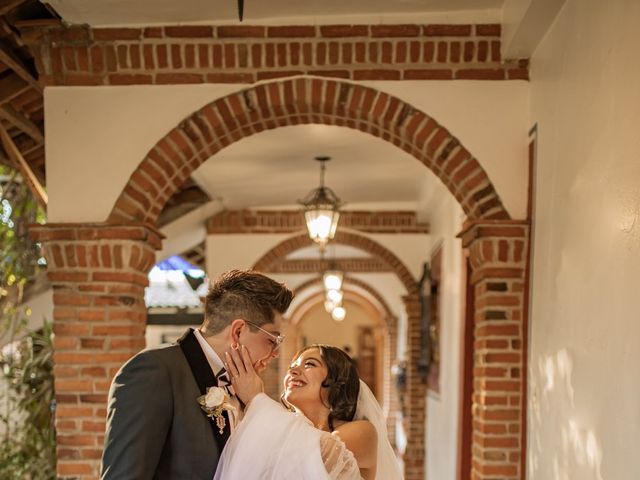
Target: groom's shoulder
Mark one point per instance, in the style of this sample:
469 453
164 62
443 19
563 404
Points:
162 356
160 352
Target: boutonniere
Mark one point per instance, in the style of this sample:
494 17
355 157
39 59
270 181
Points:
214 402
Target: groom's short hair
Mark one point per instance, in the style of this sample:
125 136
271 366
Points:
244 294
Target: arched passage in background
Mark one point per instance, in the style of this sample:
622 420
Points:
352 239
389 397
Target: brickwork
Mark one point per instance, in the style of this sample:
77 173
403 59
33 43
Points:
303 101
98 274
353 265
415 407
80 55
497 252
356 282
292 244
289 221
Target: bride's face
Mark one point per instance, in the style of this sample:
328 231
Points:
303 381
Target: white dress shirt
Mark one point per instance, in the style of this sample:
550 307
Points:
216 365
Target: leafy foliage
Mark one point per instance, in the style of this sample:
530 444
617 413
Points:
27 450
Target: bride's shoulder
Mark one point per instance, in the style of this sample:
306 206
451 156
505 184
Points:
357 427
359 436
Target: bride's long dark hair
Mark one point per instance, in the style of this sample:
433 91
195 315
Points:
342 381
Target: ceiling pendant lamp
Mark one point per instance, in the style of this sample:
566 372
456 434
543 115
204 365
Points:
321 210
240 9
332 279
338 314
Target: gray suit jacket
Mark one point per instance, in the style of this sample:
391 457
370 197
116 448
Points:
155 427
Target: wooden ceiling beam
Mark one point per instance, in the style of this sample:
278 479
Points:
11 60
23 167
22 122
11 86
7 6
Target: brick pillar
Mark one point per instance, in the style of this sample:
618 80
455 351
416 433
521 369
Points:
390 393
497 252
415 397
98 273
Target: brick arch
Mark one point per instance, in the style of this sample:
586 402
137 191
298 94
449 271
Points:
296 101
302 240
356 282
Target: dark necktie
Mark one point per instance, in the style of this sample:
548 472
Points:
223 381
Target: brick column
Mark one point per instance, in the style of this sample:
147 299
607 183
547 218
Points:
98 273
390 393
415 397
497 252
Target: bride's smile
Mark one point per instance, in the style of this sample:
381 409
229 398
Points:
304 380
293 383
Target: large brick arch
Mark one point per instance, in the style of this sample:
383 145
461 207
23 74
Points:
296 101
302 240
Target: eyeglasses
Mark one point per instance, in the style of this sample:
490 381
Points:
277 339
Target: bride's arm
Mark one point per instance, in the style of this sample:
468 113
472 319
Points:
361 438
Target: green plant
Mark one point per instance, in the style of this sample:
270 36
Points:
27 450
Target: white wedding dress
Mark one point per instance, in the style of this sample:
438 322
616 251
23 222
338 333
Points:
272 443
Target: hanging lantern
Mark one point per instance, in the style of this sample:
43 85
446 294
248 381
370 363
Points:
338 314
321 209
329 306
332 279
335 296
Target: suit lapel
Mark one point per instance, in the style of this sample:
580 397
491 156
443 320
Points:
204 377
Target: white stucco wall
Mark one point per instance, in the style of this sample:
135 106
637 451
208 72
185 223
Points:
97 136
443 409
584 415
231 251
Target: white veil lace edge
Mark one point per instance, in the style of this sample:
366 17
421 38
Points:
368 408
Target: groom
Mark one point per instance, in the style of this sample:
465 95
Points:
155 426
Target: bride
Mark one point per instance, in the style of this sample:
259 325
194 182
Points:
332 426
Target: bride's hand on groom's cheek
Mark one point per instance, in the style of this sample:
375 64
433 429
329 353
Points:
246 382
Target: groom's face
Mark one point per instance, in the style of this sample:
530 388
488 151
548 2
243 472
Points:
260 343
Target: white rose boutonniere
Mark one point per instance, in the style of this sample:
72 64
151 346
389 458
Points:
214 402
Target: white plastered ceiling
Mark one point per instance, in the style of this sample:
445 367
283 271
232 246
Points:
277 168
144 12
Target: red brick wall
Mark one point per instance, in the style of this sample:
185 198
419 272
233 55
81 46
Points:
415 396
497 252
98 274
289 221
79 55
